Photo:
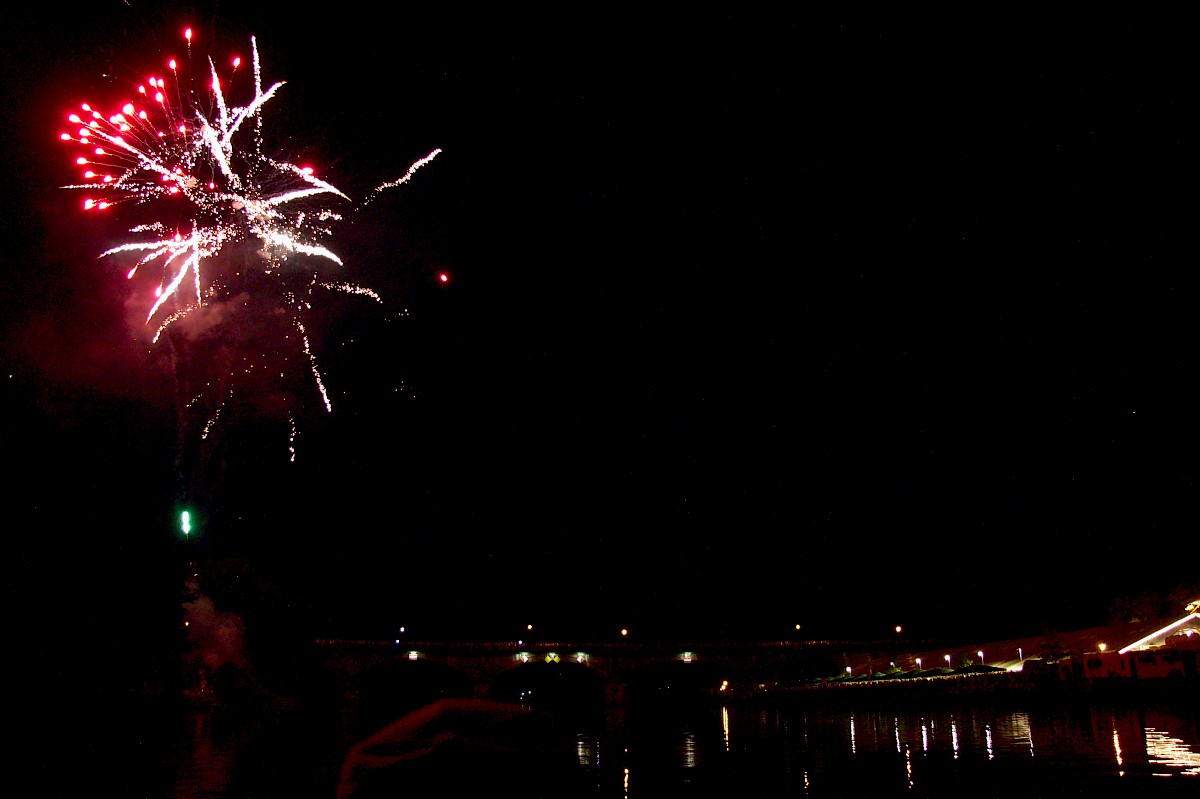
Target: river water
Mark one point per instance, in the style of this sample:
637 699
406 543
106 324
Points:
698 749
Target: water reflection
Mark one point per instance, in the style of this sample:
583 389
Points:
1171 753
587 750
710 749
822 751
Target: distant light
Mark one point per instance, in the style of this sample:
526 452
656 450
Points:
443 277
1103 647
624 631
414 655
899 629
185 523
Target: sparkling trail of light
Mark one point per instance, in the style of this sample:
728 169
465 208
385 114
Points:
405 178
202 164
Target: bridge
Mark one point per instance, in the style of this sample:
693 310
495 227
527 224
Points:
514 670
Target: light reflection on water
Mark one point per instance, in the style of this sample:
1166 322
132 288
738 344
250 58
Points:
797 751
710 749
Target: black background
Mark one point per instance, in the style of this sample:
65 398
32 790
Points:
754 319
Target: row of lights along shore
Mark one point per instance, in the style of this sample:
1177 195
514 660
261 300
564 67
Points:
849 669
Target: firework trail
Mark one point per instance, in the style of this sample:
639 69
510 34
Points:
233 238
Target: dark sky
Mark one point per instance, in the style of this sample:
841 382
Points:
754 319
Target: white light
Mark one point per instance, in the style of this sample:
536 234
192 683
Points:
1163 631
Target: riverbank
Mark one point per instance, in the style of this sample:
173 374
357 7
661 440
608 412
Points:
992 688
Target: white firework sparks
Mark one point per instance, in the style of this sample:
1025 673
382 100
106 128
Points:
205 167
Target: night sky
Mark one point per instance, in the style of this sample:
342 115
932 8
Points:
753 319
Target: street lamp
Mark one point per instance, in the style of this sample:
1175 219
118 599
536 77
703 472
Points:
980 653
947 658
847 671
918 663
1020 655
